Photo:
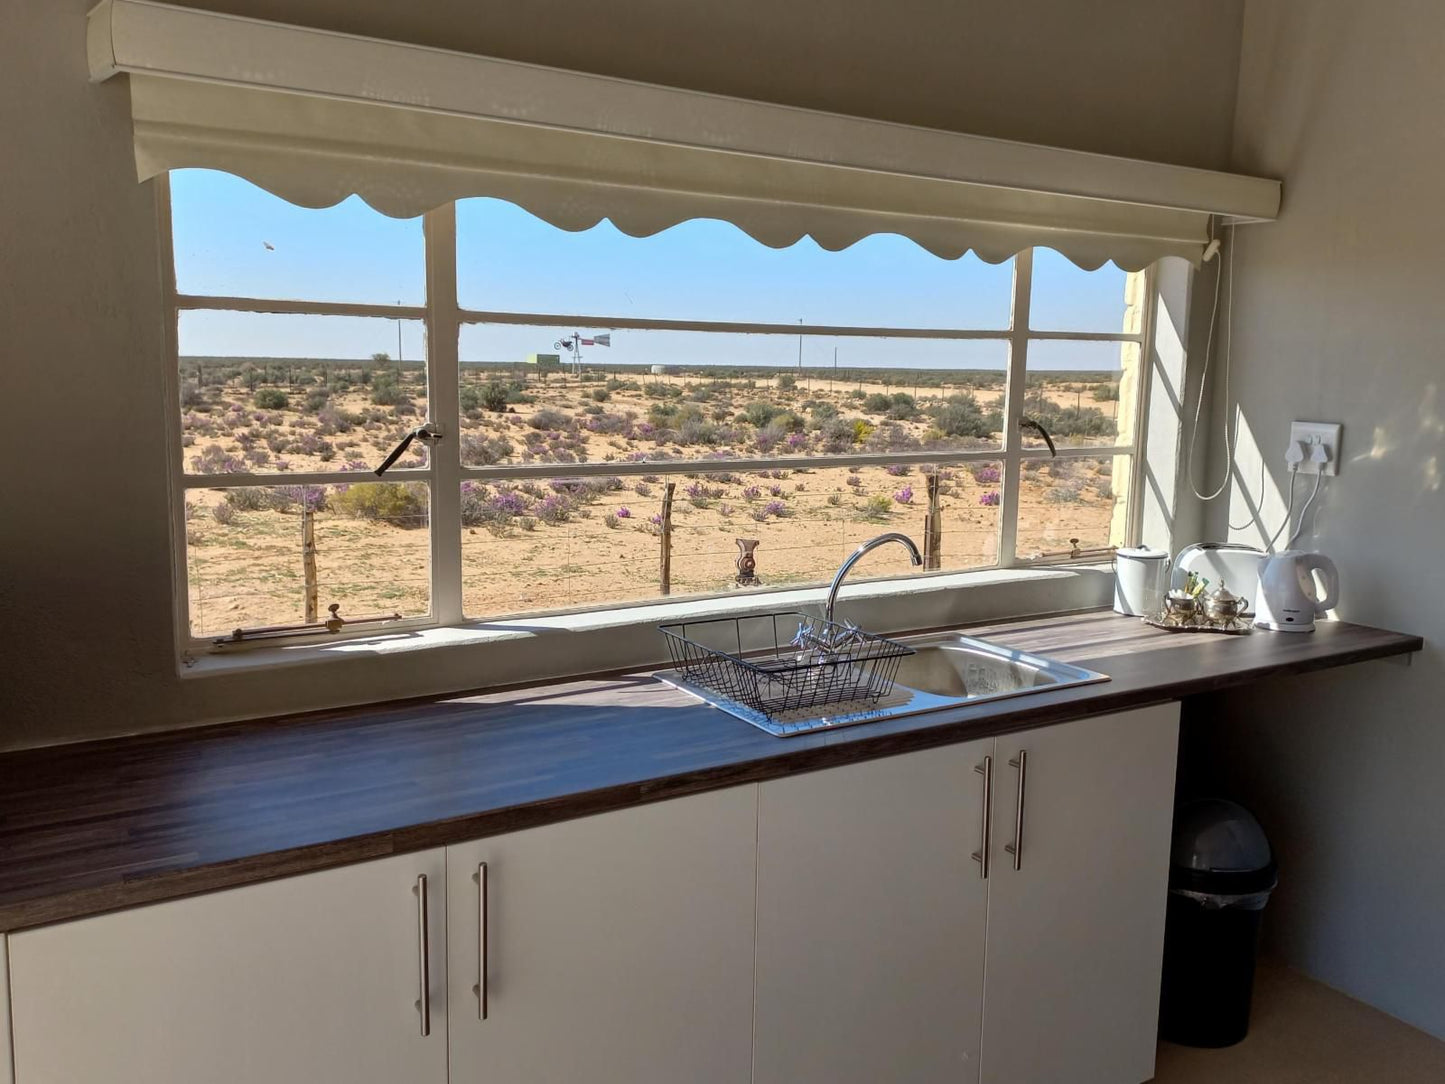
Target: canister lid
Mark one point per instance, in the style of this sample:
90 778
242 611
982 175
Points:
1141 553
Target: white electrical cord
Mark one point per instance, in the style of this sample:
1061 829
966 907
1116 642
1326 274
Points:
1229 442
1304 512
1288 515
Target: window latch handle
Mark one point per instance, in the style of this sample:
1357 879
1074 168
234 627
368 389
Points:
428 433
1025 422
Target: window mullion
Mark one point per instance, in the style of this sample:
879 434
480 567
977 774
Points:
443 397
1015 389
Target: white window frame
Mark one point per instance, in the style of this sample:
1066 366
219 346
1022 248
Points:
444 474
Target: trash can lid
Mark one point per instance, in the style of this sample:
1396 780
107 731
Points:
1219 847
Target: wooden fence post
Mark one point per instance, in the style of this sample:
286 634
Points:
308 555
932 527
667 537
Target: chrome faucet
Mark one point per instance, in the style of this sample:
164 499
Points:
846 566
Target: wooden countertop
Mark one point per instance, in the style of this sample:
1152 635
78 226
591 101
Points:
96 827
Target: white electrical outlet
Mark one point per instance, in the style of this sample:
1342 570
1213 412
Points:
1321 444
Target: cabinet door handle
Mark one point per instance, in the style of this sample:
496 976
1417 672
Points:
1016 848
981 855
481 987
423 956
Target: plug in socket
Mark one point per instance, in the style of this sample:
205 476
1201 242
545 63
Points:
1310 434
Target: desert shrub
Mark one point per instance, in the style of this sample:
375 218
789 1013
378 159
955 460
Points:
480 451
247 499
216 460
1106 393
697 431
192 397
224 514
761 413
557 508
774 509
989 499
1064 493
877 506
903 408
548 420
496 395
877 403
611 520
960 415
987 476
612 424
659 390
600 395
787 381
272 399
316 398
1073 421
401 504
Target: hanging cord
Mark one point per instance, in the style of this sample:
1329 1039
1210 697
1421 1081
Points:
1288 515
1304 512
1228 342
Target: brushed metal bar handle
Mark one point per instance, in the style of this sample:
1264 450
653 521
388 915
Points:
423 956
981 855
482 907
1016 848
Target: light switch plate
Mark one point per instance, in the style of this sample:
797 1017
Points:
1311 433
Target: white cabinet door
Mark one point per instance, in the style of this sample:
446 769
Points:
619 948
1076 934
309 980
871 922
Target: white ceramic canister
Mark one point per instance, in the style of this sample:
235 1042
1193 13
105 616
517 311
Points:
1140 574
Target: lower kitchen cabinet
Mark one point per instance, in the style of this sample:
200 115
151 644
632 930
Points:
870 914
834 927
1076 931
308 980
618 948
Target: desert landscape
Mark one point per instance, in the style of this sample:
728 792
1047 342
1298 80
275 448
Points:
560 543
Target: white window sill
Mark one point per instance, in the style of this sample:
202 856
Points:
442 660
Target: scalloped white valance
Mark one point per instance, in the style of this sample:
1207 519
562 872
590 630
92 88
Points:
315 116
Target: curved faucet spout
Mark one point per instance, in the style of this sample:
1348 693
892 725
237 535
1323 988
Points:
866 547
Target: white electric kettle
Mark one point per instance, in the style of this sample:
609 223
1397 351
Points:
1286 601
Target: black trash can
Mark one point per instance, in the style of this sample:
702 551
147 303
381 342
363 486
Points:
1220 877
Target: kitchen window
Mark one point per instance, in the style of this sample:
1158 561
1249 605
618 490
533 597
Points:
619 417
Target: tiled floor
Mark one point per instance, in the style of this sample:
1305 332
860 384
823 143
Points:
1302 1032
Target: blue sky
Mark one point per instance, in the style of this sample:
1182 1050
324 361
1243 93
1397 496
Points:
235 239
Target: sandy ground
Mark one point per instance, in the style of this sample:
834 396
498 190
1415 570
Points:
248 571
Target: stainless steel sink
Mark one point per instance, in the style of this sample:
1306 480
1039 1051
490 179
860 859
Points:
947 670
970 670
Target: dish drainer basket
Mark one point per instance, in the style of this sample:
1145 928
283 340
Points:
764 663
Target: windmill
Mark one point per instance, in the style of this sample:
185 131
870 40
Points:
576 342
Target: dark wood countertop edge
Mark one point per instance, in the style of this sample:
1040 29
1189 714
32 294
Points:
965 724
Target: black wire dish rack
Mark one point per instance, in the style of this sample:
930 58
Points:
778 663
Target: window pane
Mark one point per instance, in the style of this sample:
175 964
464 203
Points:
581 543
233 239
510 261
1067 298
1064 503
246 560
263 392
1083 393
659 395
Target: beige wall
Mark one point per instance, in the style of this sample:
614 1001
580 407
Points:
85 616
1339 319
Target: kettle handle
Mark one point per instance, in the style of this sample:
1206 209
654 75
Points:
1319 562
